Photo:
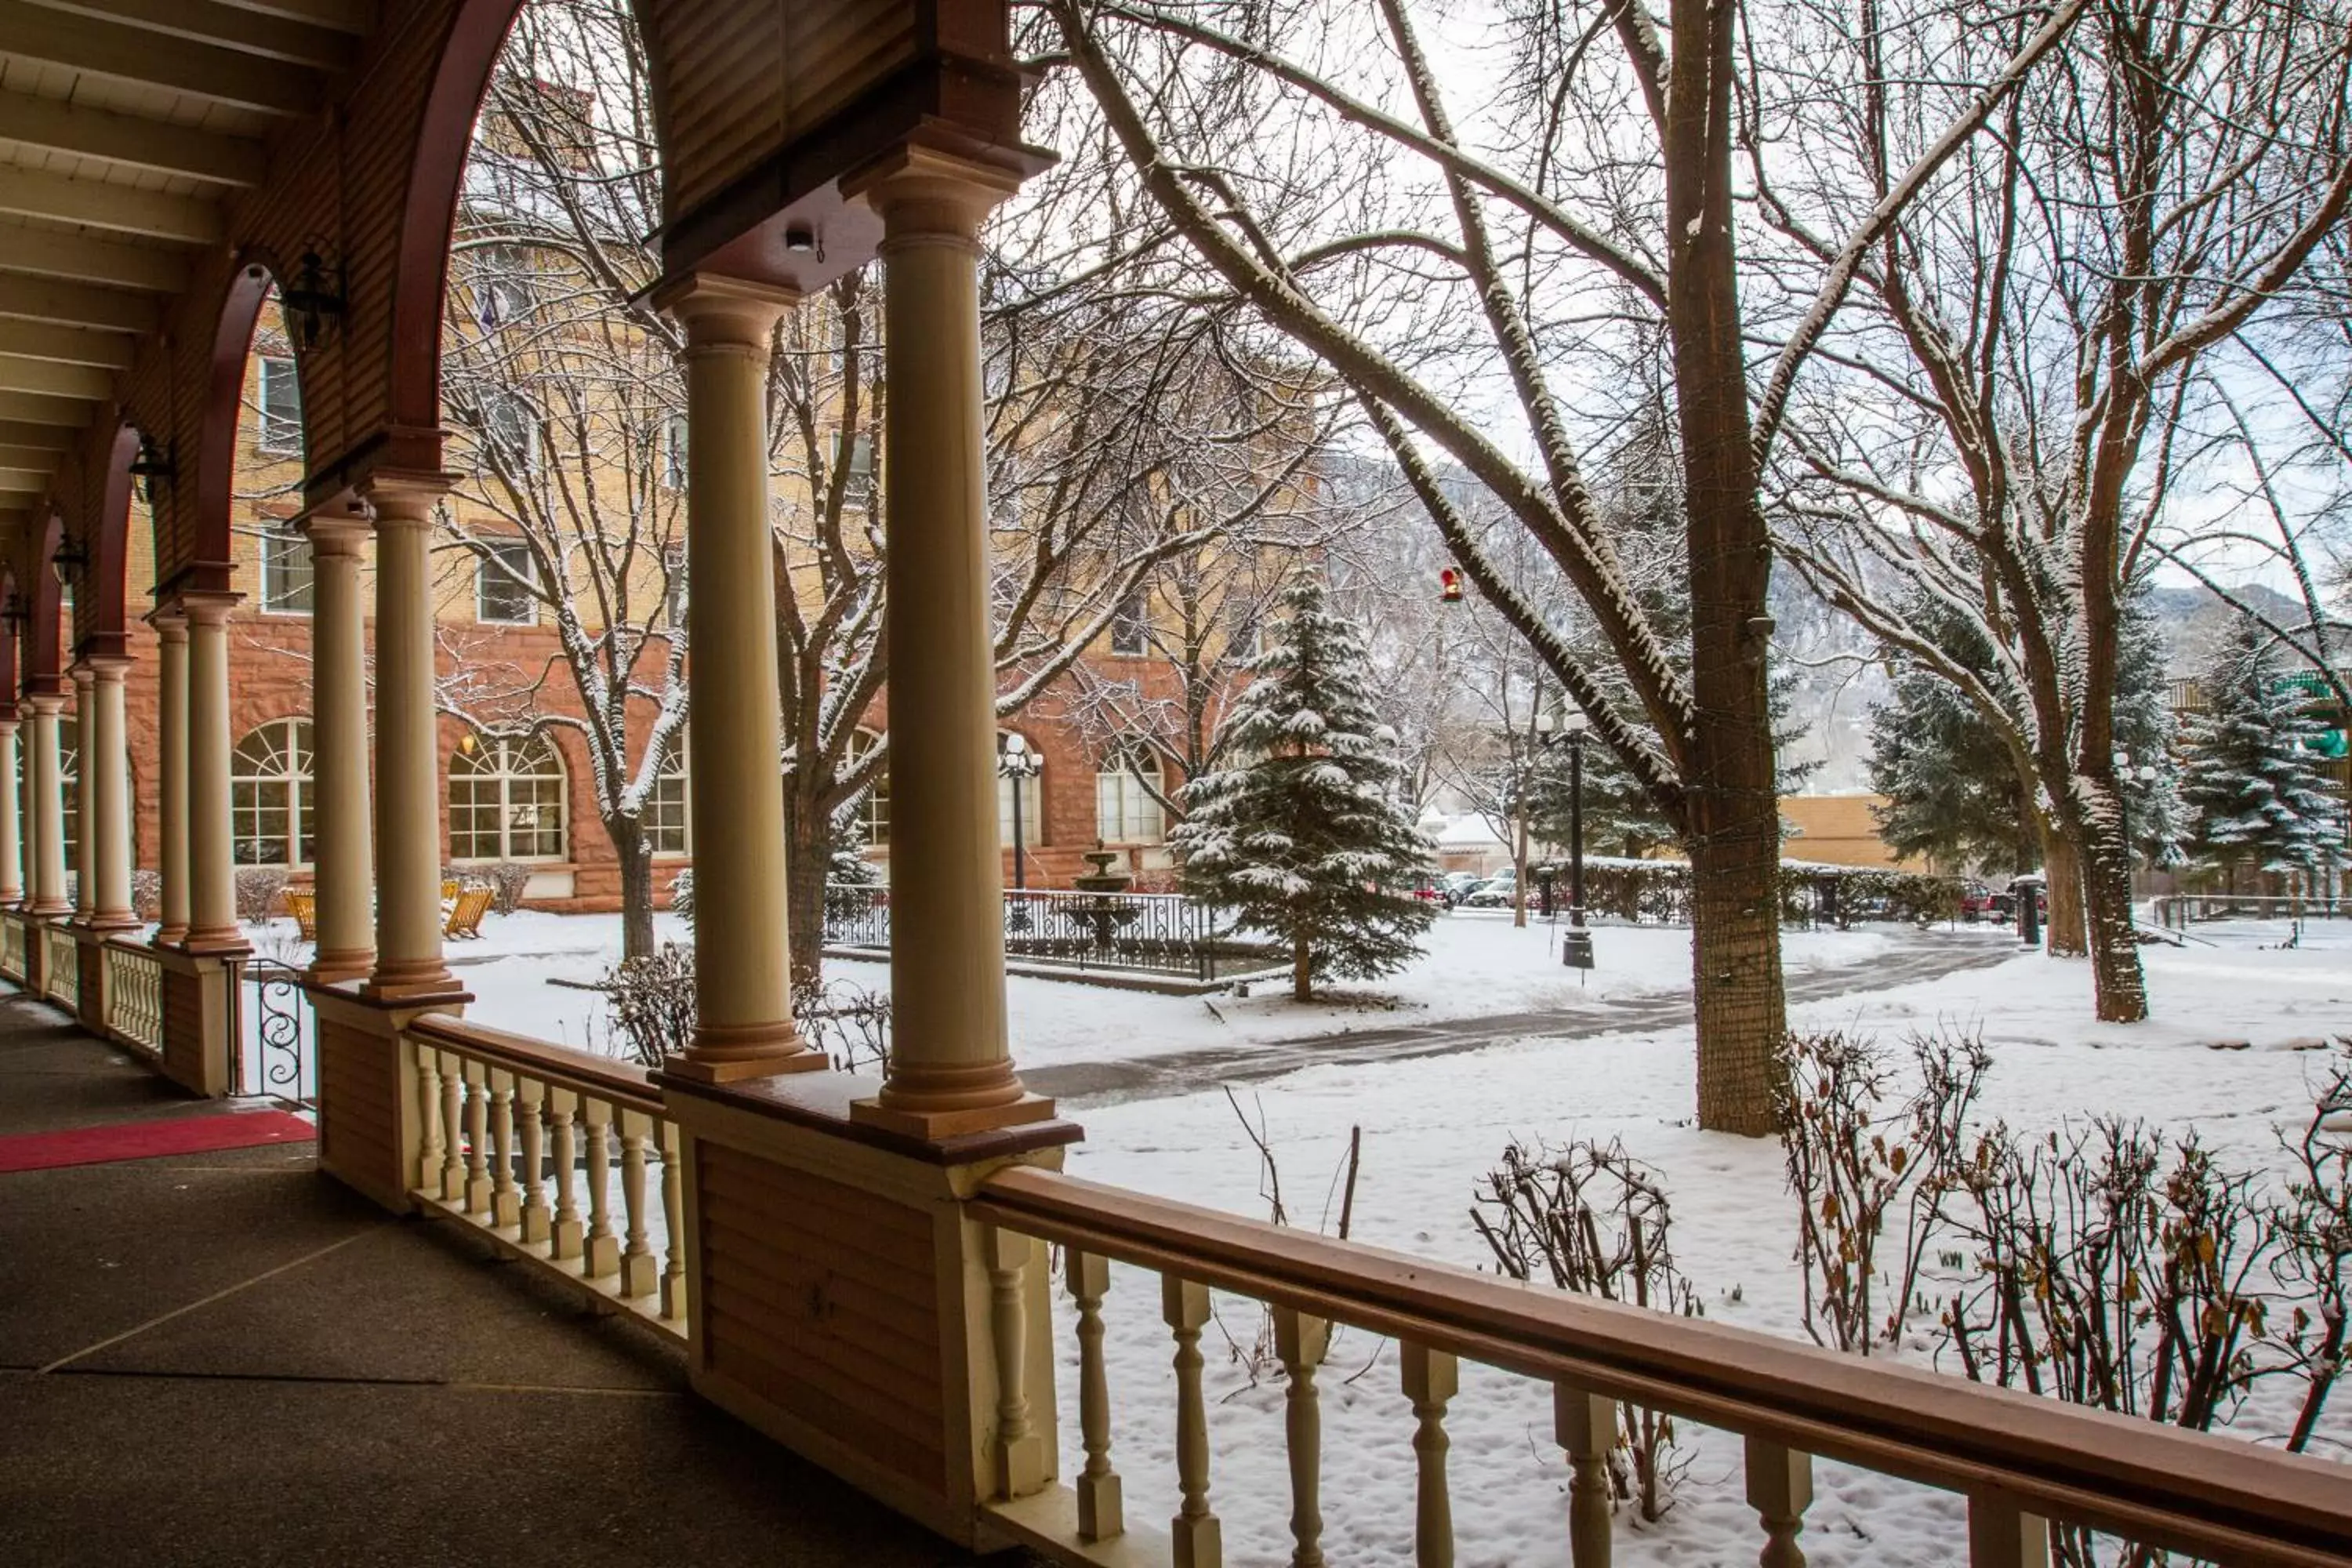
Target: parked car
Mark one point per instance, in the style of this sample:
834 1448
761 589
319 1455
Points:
2004 904
1458 885
1494 893
1977 902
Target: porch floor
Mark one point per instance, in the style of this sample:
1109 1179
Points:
226 1358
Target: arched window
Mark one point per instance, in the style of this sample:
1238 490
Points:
874 811
269 803
507 800
1033 801
1125 811
68 787
665 820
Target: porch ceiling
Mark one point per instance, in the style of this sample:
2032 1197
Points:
124 124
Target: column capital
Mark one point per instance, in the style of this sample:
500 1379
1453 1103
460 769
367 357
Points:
80 672
46 704
720 312
926 197
108 671
170 626
332 536
208 609
404 497
8 720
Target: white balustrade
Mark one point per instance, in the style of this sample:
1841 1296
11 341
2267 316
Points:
134 995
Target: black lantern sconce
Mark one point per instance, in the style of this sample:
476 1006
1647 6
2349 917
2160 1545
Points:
312 298
151 468
68 560
12 614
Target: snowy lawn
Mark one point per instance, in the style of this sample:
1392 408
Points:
1432 1126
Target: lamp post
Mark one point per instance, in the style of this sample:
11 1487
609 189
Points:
1576 944
1016 761
2126 776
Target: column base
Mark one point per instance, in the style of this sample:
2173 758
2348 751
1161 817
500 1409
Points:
407 981
52 910
333 966
933 1125
215 942
115 920
730 1053
171 936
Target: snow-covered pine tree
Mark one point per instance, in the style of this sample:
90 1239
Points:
1307 836
2251 781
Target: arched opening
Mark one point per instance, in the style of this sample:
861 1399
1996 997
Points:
1127 799
104 625
667 827
270 796
509 799
234 428
870 813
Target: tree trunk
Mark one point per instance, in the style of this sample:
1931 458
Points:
1520 868
1736 981
808 859
1302 970
2120 988
637 858
2064 869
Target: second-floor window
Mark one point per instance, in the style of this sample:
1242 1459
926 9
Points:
286 575
504 582
510 427
281 407
673 451
1130 626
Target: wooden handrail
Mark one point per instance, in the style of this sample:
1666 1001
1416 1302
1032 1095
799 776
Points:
2212 1496
623 1083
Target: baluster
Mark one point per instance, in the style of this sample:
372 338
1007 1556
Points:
531 1099
1101 1510
672 1193
1019 1452
1198 1539
477 1138
1431 1378
638 1267
601 1254
2003 1535
1780 1488
506 1198
430 1144
453 1155
1299 1344
1586 1425
563 1243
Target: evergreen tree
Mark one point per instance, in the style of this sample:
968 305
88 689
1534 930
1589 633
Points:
1307 835
2251 778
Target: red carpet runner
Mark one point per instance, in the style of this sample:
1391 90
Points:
151 1140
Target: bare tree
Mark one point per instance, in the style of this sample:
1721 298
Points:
1487 274
2051 361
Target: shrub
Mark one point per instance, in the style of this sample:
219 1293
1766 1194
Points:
260 889
681 895
147 895
650 1002
507 880
848 1023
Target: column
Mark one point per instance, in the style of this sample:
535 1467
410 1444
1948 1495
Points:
345 885
951 1069
408 966
743 1026
85 883
212 880
12 831
106 765
48 813
171 735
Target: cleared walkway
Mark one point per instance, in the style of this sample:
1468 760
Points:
224 1357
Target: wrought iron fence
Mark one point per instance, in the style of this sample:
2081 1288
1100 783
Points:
2178 911
1155 933
276 1039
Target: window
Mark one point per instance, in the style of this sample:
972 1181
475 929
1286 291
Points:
1130 624
504 583
665 819
282 408
510 427
1126 812
1032 808
69 787
673 451
285 574
502 288
507 800
874 811
270 806
860 463
674 588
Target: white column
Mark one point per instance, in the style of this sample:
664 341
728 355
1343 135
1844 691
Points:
85 882
12 830
48 813
408 964
950 1068
172 737
212 876
743 1026
345 883
106 765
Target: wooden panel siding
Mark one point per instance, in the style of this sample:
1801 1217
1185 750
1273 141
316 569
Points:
183 1026
359 1115
822 1299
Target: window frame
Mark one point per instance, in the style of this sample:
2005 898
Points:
297 748
495 404
873 807
493 763
1137 805
277 544
675 769
271 439
1130 624
490 560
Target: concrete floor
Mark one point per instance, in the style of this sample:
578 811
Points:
229 1359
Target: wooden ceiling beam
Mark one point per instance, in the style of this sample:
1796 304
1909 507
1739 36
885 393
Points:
66 345
354 16
226 26
54 253
95 204
130 140
19 375
32 408
76 304
19 435
134 55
